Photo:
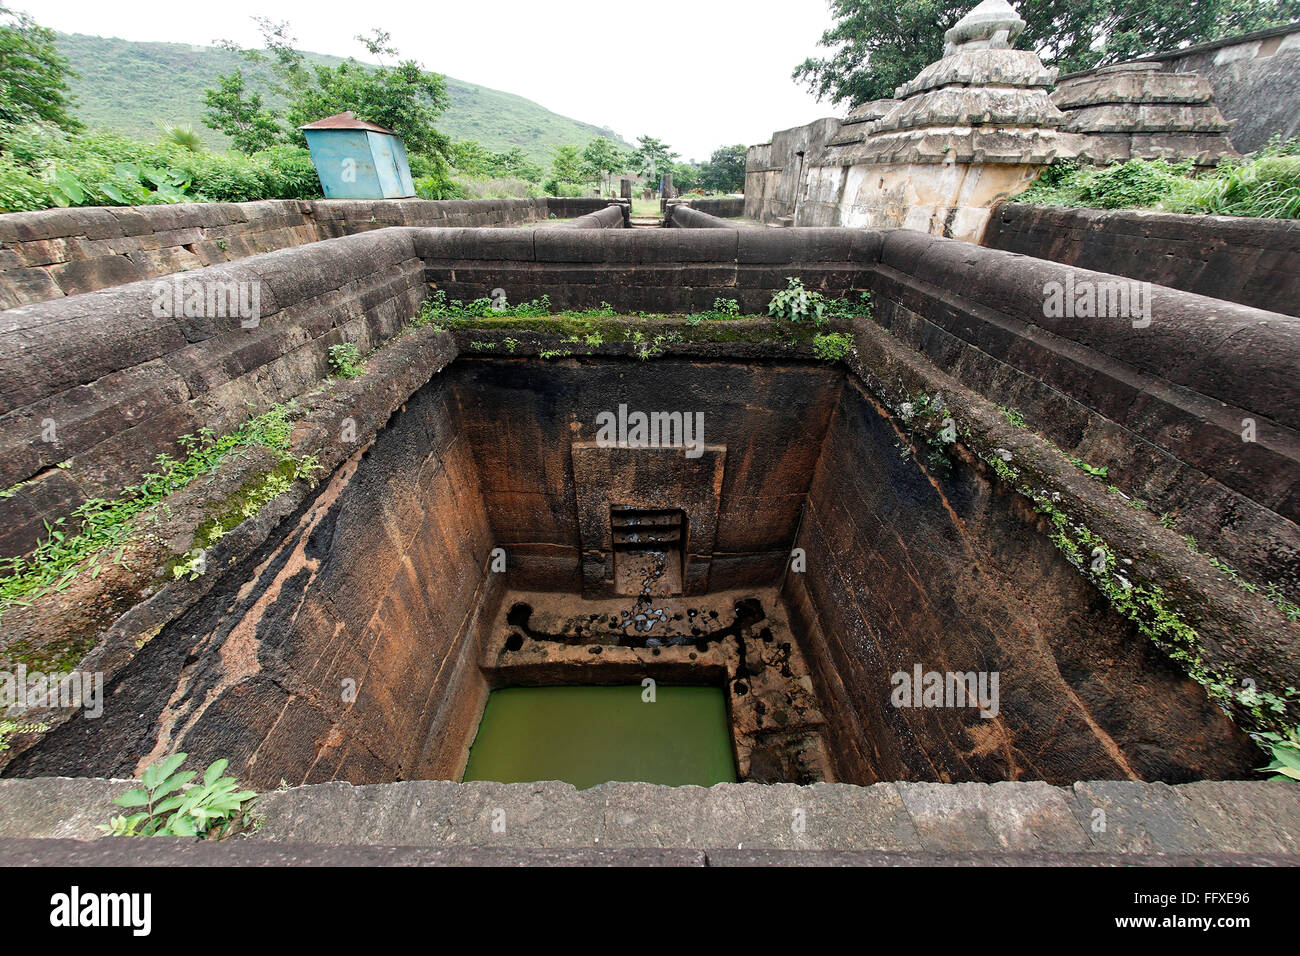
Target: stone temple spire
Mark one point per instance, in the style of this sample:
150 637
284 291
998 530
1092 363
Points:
969 129
993 25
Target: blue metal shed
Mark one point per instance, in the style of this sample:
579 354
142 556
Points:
358 160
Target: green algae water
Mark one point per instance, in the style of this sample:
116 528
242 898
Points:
589 735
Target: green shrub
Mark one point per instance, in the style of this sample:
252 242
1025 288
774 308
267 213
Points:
172 807
43 167
345 360
439 186
1264 185
795 303
832 346
1285 749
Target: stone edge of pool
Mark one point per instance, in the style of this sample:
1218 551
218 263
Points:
435 821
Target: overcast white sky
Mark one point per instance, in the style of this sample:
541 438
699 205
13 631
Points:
601 61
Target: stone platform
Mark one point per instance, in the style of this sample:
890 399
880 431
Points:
1093 823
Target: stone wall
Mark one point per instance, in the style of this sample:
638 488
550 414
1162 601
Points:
774 171
908 568
900 556
766 422
1161 406
650 270
94 386
724 207
613 216
52 253
1255 78
342 649
1252 261
682 216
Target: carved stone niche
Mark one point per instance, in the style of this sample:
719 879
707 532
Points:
609 478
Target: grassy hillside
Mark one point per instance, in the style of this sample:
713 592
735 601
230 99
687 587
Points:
131 87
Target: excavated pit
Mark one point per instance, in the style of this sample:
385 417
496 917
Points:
794 554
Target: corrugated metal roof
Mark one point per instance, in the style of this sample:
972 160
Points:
346 120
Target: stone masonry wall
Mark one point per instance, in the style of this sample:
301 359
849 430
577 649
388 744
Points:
1162 407
522 418
94 386
906 567
52 253
343 650
1252 261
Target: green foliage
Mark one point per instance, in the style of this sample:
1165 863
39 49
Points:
1285 748
404 98
128 86
240 113
1097 471
877 45
832 346
794 303
567 164
345 360
439 186
475 160
34 76
182 136
44 167
1013 416
725 170
167 804
10 728
601 159
1265 185
652 158
81 542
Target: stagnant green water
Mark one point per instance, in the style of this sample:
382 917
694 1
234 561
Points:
589 735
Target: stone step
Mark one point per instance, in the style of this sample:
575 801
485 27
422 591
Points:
1255 819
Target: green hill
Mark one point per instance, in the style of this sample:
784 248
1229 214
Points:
132 87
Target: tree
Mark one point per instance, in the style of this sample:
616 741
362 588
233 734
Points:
404 98
33 76
880 44
567 164
652 157
686 176
725 170
240 114
601 159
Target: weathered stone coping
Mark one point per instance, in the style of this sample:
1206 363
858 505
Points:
1089 821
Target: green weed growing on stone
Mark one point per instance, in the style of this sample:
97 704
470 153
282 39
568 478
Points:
11 728
832 346
84 540
167 804
1265 184
1285 748
794 303
345 360
1097 471
1013 416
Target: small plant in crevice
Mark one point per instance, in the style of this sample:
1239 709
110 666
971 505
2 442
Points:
1285 749
345 360
166 803
928 425
1147 605
832 346
1013 416
1097 471
96 533
794 303
10 728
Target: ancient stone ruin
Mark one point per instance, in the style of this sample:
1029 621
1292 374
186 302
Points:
977 126
1008 536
